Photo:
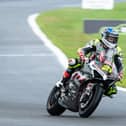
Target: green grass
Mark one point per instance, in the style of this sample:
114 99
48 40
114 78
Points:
64 27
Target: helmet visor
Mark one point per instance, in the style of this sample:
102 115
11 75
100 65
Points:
112 39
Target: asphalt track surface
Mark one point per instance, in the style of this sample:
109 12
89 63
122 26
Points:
28 71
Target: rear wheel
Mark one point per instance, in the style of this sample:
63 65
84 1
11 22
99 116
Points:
53 107
89 103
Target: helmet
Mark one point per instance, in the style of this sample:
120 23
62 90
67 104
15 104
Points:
110 37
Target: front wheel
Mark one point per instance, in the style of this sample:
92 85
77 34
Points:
86 108
53 107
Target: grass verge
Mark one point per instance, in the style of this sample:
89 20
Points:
64 27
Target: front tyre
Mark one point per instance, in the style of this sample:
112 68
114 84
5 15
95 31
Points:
92 103
53 107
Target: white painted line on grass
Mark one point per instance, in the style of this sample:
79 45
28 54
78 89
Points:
60 55
122 89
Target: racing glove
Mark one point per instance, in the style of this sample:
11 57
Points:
81 54
120 75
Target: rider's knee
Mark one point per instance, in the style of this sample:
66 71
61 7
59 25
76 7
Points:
72 62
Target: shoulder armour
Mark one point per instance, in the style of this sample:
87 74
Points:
93 43
119 51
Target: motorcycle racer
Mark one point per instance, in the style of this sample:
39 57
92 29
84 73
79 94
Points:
106 53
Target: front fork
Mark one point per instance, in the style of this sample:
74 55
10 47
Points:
87 90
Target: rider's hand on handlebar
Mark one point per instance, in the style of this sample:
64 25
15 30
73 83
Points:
120 75
81 55
82 59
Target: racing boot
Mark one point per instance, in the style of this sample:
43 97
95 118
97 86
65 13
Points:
112 90
72 65
65 78
62 83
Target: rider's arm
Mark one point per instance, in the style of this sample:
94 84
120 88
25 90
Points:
118 62
90 47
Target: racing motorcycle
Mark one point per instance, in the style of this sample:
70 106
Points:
84 90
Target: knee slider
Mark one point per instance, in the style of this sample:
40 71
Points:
72 62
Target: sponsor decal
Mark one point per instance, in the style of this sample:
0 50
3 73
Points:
97 4
119 28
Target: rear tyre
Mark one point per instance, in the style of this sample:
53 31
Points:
53 107
92 103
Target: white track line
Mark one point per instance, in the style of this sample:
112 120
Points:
122 89
60 55
26 55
